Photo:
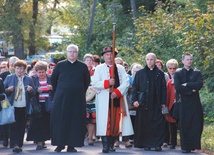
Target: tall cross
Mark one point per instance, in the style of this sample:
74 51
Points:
114 8
112 115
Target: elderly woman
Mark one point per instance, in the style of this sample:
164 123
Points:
90 101
39 129
3 67
4 129
19 90
132 110
171 66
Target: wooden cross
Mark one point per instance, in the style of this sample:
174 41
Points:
114 8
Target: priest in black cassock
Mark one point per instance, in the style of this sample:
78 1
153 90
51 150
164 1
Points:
187 84
70 80
149 123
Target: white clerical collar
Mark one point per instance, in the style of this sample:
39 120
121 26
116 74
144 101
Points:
72 61
187 69
151 68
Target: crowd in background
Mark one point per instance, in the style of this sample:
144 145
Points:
144 125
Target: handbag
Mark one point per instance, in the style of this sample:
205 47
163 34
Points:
90 94
33 109
7 114
174 111
141 98
48 103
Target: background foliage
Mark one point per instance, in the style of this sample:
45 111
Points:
166 27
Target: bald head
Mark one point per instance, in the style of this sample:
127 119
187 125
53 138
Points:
150 60
151 55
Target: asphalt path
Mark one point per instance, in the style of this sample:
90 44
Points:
96 149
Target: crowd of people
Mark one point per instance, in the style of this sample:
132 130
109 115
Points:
108 100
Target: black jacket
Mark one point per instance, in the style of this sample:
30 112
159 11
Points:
141 84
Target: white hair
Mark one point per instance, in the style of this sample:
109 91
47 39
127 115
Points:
136 66
72 46
173 62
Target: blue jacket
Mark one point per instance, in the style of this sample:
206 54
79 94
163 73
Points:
12 80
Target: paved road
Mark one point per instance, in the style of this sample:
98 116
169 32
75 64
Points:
29 148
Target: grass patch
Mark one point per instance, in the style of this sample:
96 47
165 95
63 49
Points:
207 140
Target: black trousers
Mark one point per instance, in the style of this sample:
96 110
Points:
17 129
173 133
167 131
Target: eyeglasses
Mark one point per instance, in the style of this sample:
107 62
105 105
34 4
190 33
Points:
172 68
72 51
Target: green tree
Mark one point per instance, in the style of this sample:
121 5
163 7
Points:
170 34
12 25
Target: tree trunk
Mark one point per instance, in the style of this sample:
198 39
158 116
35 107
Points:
133 5
19 46
32 35
91 24
16 27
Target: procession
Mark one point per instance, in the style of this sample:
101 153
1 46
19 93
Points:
106 77
86 99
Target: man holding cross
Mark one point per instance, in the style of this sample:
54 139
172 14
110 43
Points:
111 105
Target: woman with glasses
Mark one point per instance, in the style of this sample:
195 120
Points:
171 65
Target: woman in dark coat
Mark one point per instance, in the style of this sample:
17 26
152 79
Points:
70 80
39 129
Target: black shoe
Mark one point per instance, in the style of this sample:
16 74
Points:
71 149
43 145
105 150
39 147
17 150
172 147
147 149
158 149
105 143
186 151
112 149
59 148
20 150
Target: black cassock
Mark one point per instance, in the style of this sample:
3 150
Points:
190 109
149 125
68 117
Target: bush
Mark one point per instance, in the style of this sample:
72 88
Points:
207 99
207 140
